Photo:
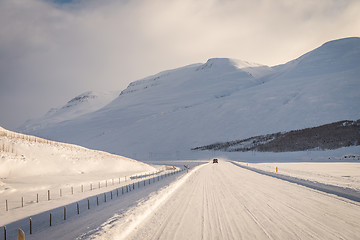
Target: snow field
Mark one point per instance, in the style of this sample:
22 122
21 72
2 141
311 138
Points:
342 174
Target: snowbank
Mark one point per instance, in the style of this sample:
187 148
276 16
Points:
24 156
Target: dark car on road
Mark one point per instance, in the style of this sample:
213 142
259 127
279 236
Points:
215 160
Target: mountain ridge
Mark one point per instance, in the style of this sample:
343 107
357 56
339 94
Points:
84 103
178 109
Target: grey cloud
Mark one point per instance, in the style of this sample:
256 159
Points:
51 52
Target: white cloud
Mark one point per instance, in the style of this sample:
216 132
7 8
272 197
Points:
51 52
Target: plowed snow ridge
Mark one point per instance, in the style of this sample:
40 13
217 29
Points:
348 193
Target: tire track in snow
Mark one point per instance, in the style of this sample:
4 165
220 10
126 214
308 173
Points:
169 217
160 199
238 197
221 201
225 220
306 223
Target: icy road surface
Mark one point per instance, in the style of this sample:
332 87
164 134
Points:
212 201
223 201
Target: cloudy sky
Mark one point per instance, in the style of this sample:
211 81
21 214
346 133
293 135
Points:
53 50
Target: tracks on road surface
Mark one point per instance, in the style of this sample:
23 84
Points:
348 193
221 201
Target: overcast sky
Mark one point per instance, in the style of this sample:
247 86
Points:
51 51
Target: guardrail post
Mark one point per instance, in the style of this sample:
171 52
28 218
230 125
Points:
30 225
64 213
77 207
50 219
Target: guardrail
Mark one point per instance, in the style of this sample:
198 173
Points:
38 222
52 194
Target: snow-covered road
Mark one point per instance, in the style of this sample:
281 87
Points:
212 201
223 201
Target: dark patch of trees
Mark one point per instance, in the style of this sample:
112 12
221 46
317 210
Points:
330 136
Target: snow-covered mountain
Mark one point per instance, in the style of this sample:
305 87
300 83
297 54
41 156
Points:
167 114
84 103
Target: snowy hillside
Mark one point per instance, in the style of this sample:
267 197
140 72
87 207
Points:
32 169
167 114
26 156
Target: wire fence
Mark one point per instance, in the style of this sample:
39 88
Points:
55 194
54 217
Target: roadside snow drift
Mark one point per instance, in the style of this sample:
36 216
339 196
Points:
24 156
